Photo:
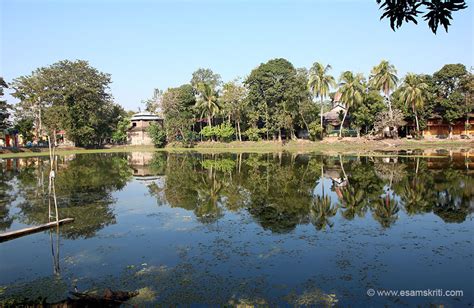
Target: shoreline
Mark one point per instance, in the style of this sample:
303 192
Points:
327 146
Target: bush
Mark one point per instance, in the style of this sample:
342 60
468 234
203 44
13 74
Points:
224 132
315 131
208 132
157 135
253 134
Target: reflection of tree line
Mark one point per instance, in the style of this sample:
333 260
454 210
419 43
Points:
278 189
84 187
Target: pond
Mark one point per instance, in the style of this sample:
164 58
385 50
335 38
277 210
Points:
249 229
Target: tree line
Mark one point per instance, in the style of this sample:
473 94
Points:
67 95
277 100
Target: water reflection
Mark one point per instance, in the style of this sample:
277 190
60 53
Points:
282 191
279 190
83 184
251 211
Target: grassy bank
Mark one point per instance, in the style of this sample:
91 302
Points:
328 146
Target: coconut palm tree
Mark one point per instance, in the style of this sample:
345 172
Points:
413 92
352 90
384 78
320 82
207 102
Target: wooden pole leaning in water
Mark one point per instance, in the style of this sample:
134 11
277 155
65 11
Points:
14 234
51 191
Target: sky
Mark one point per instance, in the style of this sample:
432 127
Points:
158 44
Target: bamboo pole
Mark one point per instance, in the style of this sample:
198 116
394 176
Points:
14 234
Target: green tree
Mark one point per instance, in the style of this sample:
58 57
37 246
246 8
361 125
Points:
275 92
384 78
72 96
157 134
24 126
363 115
153 104
320 83
413 93
234 100
206 76
120 133
31 92
207 103
352 91
178 104
451 99
4 107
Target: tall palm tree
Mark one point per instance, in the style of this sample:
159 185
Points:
320 82
207 102
352 90
384 78
413 92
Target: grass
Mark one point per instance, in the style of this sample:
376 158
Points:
328 146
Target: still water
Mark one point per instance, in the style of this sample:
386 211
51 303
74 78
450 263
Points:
270 229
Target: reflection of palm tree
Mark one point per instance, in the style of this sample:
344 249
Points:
386 210
320 212
415 197
352 202
208 209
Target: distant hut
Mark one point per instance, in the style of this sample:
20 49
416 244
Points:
138 131
334 116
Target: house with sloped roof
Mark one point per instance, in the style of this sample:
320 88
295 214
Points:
333 117
138 131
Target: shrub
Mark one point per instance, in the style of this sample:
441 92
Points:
315 131
253 134
208 132
224 132
157 135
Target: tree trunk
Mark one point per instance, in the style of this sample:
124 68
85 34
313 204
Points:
342 123
238 131
416 118
417 124
389 103
466 124
321 116
40 121
305 123
450 131
279 135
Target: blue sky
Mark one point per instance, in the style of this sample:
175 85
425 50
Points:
158 44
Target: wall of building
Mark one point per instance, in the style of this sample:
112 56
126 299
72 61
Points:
139 138
438 128
138 135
